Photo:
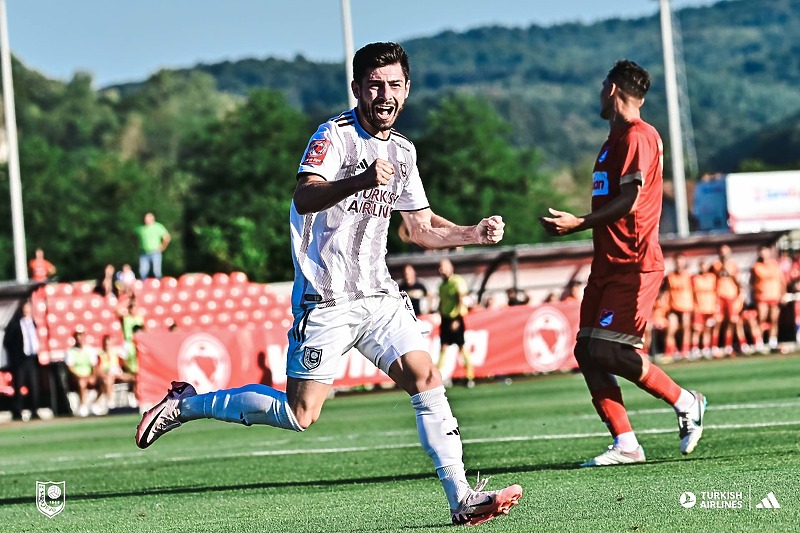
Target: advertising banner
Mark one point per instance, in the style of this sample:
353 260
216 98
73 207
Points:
502 342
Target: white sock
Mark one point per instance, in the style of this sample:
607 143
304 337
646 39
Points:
251 404
685 402
441 439
626 442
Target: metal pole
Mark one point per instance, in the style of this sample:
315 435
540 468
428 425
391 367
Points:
17 221
673 112
347 30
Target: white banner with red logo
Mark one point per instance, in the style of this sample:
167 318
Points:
507 341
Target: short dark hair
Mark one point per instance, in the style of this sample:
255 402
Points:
376 55
630 78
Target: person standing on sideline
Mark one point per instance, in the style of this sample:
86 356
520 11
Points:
730 298
627 269
767 288
355 172
704 291
452 310
414 288
22 344
40 268
153 239
678 285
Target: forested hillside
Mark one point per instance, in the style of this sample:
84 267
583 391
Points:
742 64
505 120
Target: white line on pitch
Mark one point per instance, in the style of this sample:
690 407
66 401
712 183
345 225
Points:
711 407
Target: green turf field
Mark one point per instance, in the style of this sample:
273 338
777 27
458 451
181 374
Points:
360 468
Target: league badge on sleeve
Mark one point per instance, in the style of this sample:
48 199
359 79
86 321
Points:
316 152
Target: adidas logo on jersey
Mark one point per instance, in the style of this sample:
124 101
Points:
769 502
361 166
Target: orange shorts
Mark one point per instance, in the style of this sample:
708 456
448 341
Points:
730 307
617 307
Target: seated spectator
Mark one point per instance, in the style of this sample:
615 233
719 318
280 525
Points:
416 291
125 280
573 292
131 319
550 298
112 369
105 285
517 296
81 362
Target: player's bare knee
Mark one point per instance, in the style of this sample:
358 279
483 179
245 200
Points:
306 417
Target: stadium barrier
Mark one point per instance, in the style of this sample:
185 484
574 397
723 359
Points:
502 342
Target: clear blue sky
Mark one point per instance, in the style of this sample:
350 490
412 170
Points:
127 40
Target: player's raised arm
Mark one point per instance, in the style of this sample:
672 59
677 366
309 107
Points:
429 230
314 193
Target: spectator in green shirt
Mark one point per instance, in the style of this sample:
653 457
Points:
452 309
81 362
153 239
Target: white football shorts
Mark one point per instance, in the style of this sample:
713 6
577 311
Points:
383 328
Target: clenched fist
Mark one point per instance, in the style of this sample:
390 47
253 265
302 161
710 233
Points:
377 174
490 230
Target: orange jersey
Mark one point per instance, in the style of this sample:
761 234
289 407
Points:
727 279
705 293
660 309
40 269
766 280
679 287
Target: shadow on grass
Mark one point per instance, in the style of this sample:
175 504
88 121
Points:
196 489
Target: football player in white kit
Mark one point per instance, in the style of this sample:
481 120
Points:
355 172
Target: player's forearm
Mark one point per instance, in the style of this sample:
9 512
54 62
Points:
433 237
440 222
314 196
611 212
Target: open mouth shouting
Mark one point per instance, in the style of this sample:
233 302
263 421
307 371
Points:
382 115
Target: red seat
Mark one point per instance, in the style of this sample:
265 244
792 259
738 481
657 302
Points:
220 279
58 289
168 283
83 287
238 278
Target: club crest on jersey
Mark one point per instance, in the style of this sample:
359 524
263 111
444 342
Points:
603 156
316 152
606 317
403 168
312 357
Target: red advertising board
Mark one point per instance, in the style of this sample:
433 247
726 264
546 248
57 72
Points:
507 341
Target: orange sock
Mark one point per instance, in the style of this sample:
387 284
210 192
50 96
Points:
608 403
660 385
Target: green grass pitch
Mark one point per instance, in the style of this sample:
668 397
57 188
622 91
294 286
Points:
360 468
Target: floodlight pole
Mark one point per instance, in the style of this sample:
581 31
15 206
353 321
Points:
347 30
15 188
673 113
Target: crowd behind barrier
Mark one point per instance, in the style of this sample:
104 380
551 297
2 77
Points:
191 301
